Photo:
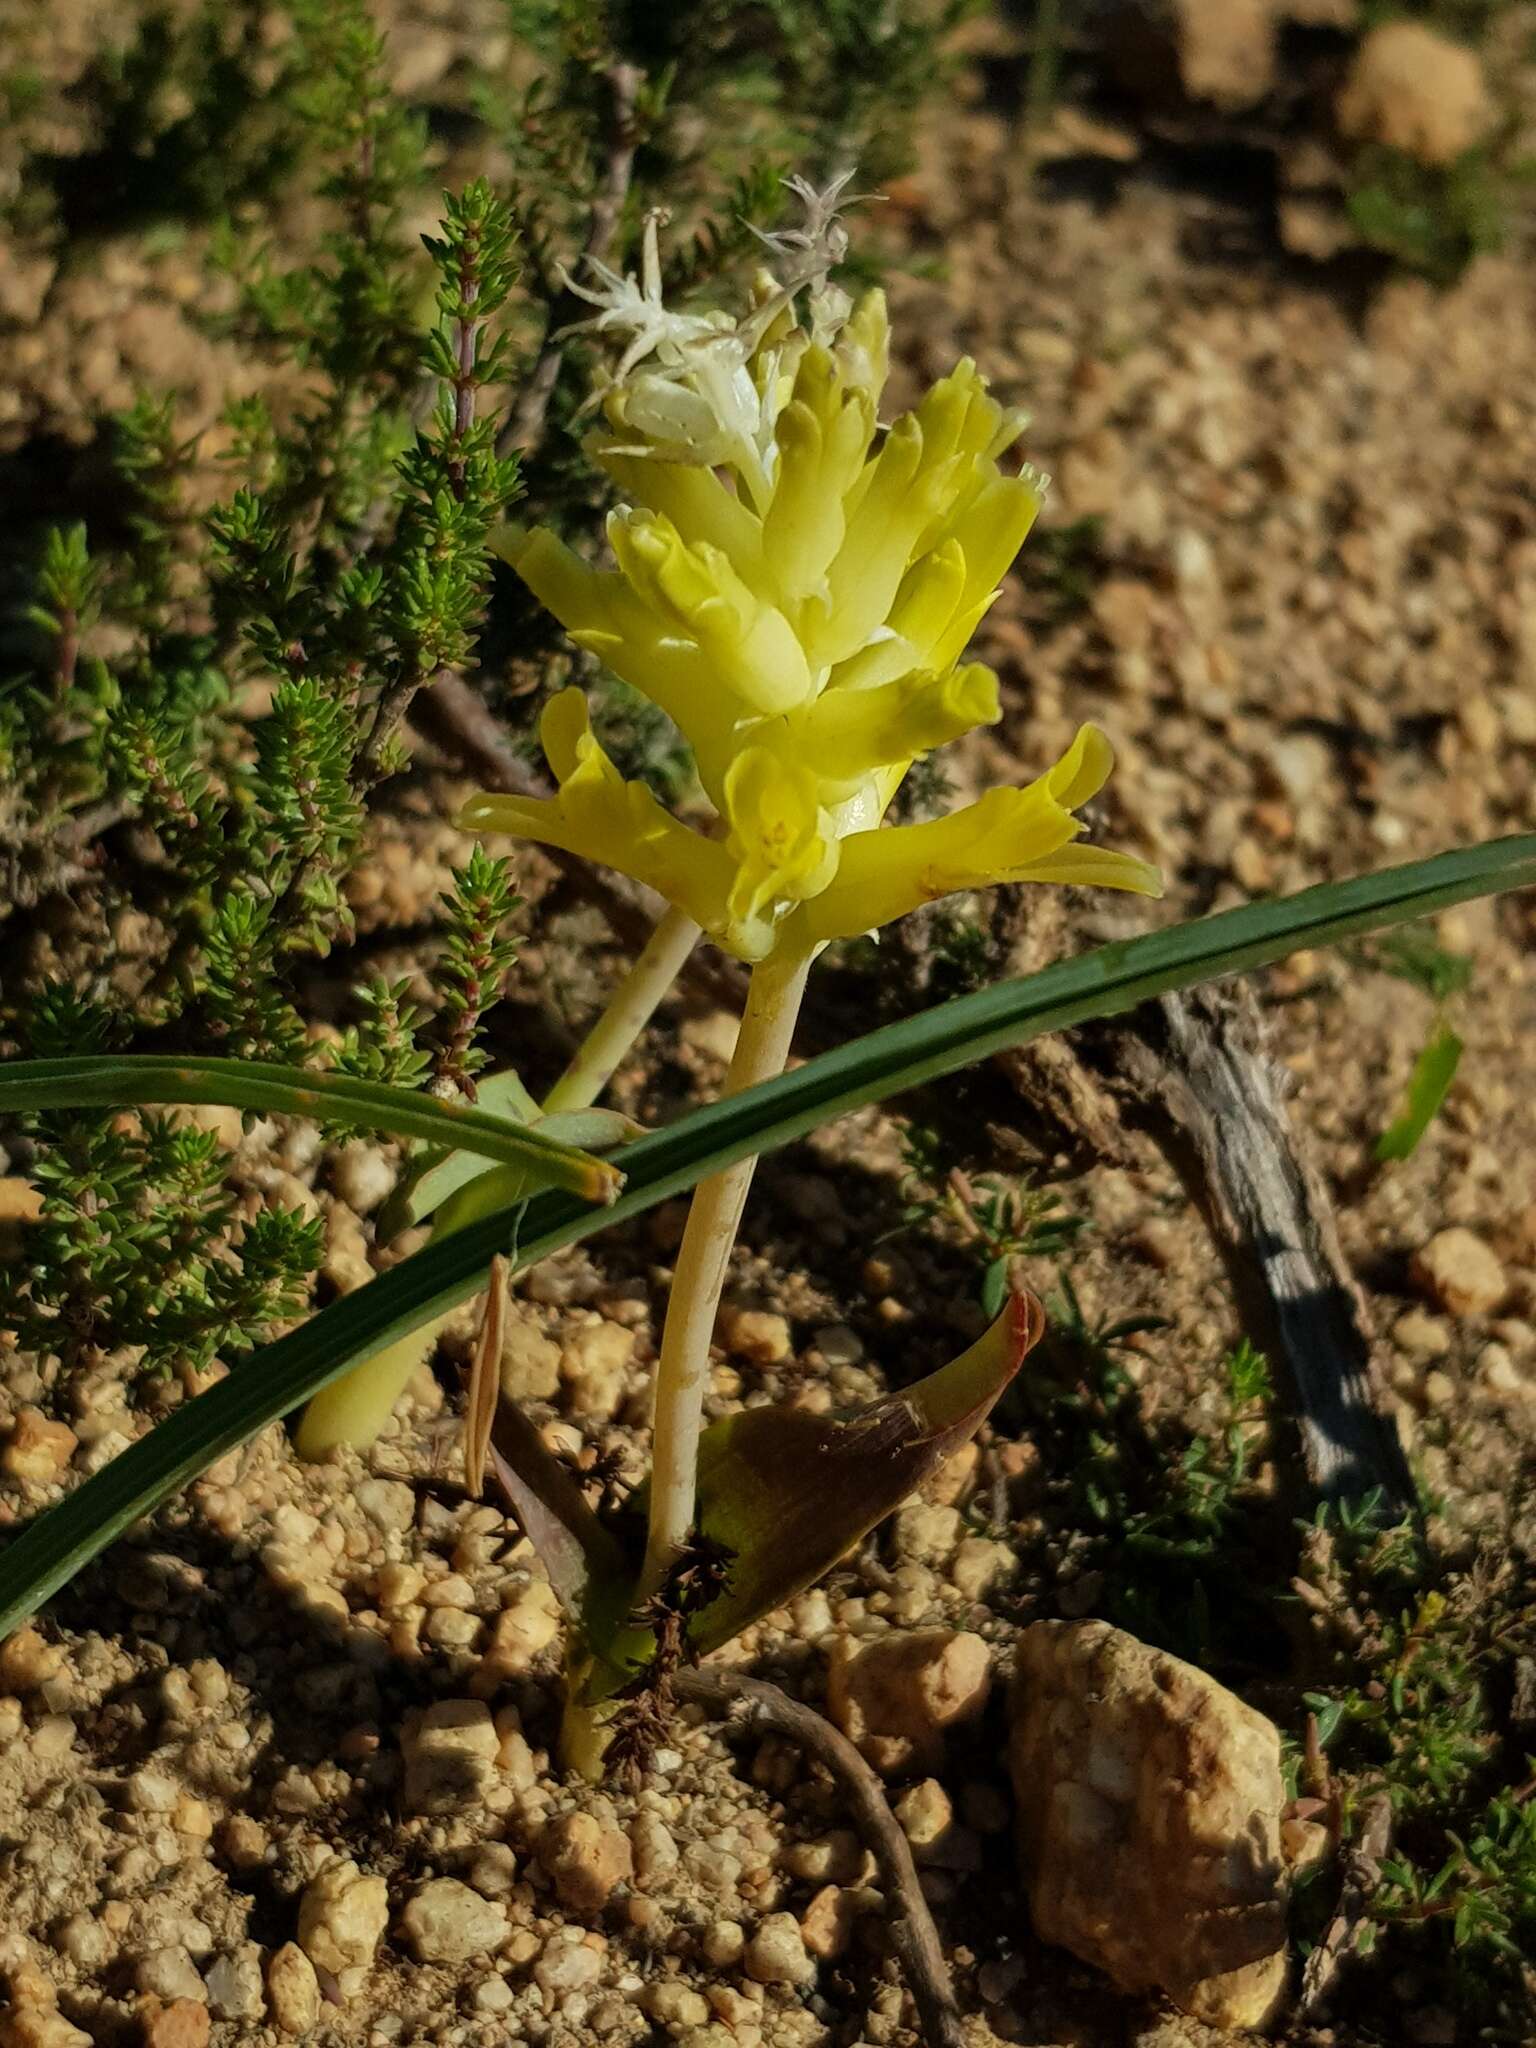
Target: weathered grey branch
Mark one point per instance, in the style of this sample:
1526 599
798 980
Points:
1193 1074
1205 1088
525 429
754 1703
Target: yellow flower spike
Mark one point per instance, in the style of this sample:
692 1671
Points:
1010 835
795 589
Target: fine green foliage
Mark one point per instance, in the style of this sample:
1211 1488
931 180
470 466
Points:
477 954
661 1164
1420 1703
1432 218
136 1219
1003 1220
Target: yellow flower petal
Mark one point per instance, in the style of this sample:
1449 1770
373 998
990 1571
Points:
619 824
695 501
846 733
603 614
780 837
695 594
1010 835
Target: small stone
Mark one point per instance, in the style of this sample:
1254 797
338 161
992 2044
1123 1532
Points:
586 1860
927 1535
495 1995
523 1630
342 1917
755 1334
594 1363
294 1991
27 1663
776 1953
169 1973
494 1871
896 1695
28 2028
363 1176
978 1565
1149 1801
244 1842
1459 1273
450 1628
232 1983
673 2004
654 1849
566 1966
389 1503
183 2024
449 1753
530 1362
827 1922
713 1869
1299 764
151 1791
87 1941
39 1450
1226 49
926 1817
1415 90
1422 1334
722 1944
446 1922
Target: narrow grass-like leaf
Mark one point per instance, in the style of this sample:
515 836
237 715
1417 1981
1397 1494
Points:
1110 979
127 1082
1433 1072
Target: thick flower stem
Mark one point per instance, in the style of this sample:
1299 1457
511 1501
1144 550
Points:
682 1374
629 1011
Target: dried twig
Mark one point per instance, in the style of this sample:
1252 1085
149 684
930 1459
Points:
754 1703
525 429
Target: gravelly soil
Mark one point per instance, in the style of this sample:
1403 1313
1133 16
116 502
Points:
1311 631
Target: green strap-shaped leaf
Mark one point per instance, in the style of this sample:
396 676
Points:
1113 978
126 1082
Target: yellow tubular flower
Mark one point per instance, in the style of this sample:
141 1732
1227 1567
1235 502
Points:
1010 835
794 588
